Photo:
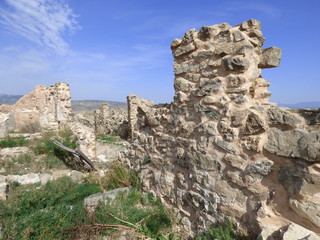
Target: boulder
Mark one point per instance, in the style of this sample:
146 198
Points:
297 232
270 57
294 143
91 202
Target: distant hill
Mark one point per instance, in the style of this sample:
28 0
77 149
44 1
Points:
9 99
310 105
91 105
77 105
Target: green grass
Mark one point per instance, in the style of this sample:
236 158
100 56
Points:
13 142
45 146
223 232
29 162
110 139
56 211
44 155
116 176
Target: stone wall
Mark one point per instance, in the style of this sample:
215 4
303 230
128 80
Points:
43 108
220 149
111 121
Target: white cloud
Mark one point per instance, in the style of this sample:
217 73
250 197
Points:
41 21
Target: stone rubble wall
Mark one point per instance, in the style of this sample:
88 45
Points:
111 121
45 108
220 149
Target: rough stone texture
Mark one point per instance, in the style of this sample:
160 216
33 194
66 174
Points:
216 150
294 143
270 57
296 232
111 122
91 202
4 188
279 116
8 153
86 138
43 108
43 178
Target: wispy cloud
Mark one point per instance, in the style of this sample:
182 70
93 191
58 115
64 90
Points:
41 21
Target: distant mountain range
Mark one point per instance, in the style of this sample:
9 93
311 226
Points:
9 99
77 105
90 105
311 105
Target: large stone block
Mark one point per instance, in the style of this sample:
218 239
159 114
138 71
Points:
270 57
294 143
295 231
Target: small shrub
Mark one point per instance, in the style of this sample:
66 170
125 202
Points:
146 160
117 176
13 142
157 222
223 232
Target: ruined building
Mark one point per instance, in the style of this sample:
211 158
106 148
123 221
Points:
221 149
43 108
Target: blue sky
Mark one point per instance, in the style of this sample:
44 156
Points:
108 49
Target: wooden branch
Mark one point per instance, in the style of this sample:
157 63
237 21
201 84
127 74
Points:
78 155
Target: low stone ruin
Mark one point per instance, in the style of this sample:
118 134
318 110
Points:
43 108
220 149
111 122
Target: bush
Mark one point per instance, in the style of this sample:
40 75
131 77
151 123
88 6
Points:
223 232
116 176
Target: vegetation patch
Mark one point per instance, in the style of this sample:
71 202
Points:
45 146
224 231
56 211
13 142
110 139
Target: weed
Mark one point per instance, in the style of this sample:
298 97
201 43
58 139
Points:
45 146
56 211
26 163
223 232
116 176
13 142
146 159
110 139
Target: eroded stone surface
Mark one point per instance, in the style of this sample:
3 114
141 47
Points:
220 148
43 108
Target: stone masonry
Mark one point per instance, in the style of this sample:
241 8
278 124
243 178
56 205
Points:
43 108
220 149
111 121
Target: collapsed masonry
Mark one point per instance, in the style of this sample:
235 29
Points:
111 121
220 148
43 108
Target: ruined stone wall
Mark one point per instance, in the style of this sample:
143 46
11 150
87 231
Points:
45 108
111 121
220 148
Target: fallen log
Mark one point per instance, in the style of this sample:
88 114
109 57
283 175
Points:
80 158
